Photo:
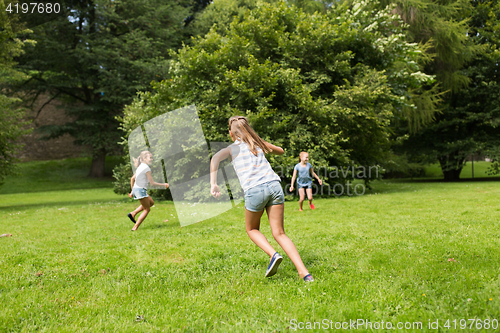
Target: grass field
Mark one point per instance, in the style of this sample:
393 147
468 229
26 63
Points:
404 253
480 169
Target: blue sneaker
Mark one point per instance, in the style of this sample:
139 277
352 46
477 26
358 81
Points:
308 278
273 265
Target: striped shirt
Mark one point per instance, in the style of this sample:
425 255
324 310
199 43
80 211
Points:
251 170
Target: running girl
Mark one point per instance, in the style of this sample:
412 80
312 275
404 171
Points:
262 191
304 169
139 184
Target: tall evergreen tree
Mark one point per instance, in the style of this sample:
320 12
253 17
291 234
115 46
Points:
95 56
467 78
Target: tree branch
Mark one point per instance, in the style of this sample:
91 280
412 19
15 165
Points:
46 103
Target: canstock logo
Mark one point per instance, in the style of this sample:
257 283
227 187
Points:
181 156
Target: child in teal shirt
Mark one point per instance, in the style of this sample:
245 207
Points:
304 170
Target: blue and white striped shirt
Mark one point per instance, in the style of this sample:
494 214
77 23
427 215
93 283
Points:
251 170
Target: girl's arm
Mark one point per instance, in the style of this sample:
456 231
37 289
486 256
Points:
214 167
316 176
293 179
152 182
275 150
132 182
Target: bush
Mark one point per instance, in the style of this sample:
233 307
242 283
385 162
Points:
122 173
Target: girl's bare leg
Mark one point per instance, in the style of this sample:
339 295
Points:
309 192
301 198
252 225
146 204
275 215
137 211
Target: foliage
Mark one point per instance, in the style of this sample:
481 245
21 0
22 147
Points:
11 130
470 115
222 12
11 44
442 25
327 84
95 56
11 115
494 155
400 167
122 174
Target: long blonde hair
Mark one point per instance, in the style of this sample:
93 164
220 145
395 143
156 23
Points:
141 157
240 128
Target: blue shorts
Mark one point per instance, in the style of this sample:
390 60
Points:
139 193
305 185
264 195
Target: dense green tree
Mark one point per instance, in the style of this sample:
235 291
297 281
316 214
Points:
470 113
328 84
442 25
11 116
94 56
222 12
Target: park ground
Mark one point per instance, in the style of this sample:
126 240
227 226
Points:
405 252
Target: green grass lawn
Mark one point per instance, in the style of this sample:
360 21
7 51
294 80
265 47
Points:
406 252
43 176
480 168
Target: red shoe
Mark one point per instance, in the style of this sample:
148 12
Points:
312 206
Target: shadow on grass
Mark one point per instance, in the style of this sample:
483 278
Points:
441 180
73 185
61 204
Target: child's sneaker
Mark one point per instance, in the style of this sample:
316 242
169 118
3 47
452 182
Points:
312 206
308 278
273 265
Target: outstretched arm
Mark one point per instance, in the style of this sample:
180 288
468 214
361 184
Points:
152 182
316 176
214 167
275 150
293 179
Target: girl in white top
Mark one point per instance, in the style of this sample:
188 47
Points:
262 191
139 183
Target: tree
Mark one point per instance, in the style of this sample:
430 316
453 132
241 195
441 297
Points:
94 56
11 116
222 12
470 113
328 84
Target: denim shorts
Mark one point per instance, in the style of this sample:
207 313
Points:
139 193
264 195
305 185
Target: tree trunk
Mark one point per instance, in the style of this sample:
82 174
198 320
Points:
97 167
451 165
452 175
